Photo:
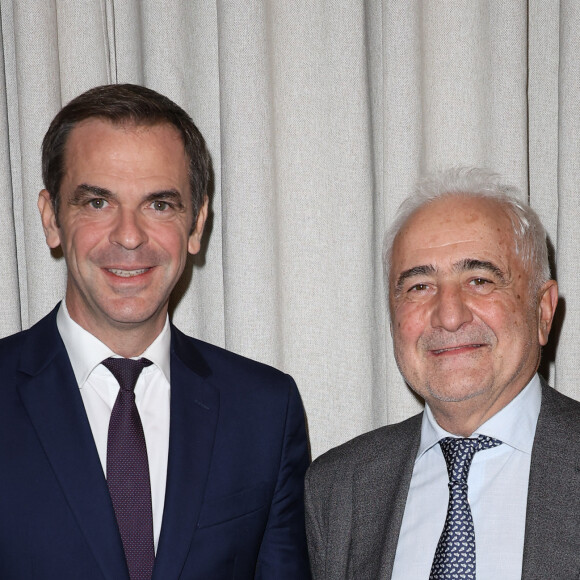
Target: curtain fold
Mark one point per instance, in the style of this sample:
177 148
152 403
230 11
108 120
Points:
319 118
13 284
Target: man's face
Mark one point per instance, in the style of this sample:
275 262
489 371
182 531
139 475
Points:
124 224
465 326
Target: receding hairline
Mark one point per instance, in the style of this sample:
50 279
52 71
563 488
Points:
128 124
453 196
128 105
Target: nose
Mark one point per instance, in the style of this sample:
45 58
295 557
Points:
128 229
450 310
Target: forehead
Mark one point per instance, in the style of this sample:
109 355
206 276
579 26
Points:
454 228
99 141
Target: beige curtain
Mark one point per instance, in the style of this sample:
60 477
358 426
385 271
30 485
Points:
320 115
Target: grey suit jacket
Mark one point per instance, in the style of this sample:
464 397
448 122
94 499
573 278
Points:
356 495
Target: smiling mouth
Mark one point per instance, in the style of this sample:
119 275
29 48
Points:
127 273
452 349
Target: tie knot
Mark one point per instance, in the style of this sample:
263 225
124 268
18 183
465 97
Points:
126 370
459 452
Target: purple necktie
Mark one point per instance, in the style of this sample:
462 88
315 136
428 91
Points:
128 470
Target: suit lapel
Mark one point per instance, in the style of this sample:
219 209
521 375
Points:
50 394
553 509
380 495
193 423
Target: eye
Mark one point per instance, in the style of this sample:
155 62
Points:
479 282
160 205
98 203
419 287
481 285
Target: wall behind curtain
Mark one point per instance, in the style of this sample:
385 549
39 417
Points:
319 117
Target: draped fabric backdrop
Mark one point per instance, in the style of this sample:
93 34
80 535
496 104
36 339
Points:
319 115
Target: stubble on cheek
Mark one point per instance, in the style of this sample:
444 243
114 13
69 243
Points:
450 381
433 369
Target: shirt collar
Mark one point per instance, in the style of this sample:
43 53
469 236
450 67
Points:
86 351
514 425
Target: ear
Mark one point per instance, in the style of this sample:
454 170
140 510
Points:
48 218
548 299
194 243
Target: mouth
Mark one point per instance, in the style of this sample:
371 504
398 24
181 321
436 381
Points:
456 349
127 273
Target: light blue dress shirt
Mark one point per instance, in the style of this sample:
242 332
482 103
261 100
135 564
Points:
498 491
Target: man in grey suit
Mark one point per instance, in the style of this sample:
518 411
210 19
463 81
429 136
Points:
485 482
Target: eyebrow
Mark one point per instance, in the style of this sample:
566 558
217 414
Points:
466 265
470 264
85 190
425 270
172 195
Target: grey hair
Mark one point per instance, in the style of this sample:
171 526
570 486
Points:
473 182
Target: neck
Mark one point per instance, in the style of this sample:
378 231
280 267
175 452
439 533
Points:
463 418
128 345
125 339
460 426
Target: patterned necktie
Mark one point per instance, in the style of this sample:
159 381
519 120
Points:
455 553
128 470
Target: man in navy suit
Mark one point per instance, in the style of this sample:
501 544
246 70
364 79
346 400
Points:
126 173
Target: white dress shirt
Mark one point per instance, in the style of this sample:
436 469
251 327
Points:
497 491
99 390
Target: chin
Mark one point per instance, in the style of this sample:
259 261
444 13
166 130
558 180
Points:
456 394
131 314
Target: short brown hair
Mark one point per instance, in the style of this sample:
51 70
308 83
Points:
120 104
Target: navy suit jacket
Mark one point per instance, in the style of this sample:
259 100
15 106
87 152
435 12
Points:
237 457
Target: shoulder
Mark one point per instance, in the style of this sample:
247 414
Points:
11 348
10 345
222 367
399 440
38 338
559 409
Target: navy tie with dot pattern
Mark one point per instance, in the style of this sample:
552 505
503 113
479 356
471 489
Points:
128 470
455 553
